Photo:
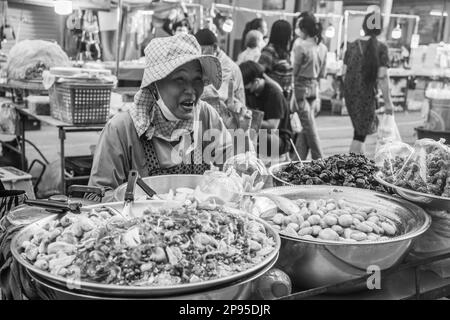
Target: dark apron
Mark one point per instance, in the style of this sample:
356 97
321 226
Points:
197 166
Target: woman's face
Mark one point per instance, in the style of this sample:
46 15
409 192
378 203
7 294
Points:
300 33
182 89
182 29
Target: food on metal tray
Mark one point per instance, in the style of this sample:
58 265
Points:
339 170
335 220
426 170
391 168
163 247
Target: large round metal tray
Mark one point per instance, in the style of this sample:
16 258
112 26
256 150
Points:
161 184
280 166
428 201
315 263
239 290
116 290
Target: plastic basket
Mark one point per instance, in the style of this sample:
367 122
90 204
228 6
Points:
80 104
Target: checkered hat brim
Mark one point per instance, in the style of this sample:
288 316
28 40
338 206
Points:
164 55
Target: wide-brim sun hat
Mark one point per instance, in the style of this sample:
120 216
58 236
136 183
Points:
164 55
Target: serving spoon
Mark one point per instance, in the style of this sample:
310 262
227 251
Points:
59 207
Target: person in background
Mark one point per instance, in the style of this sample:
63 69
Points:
256 24
229 99
181 26
365 68
275 57
254 42
265 95
309 56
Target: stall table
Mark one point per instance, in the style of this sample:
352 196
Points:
63 129
26 86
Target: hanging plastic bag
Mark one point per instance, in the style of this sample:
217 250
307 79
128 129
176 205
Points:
296 124
387 131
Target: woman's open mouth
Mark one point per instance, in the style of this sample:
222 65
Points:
188 105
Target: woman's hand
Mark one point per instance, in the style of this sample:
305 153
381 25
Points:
245 119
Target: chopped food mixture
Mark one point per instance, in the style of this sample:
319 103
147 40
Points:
163 247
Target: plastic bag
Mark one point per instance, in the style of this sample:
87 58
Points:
251 169
387 131
296 125
7 119
224 186
427 170
391 157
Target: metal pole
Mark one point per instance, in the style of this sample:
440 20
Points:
346 16
341 21
119 36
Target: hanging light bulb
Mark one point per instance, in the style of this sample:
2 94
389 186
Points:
330 32
63 7
228 25
397 32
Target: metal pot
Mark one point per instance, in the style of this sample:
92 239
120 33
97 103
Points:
426 201
239 290
312 264
162 184
273 170
136 291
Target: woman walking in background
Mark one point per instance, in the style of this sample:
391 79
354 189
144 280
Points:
309 62
365 68
275 57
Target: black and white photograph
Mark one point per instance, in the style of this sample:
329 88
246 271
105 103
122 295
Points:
231 156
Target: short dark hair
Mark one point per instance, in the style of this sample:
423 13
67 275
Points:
251 70
206 37
252 39
181 23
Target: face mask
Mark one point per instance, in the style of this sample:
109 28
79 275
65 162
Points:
165 110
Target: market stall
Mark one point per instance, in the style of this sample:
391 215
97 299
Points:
341 227
302 228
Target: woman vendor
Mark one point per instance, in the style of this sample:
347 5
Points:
168 130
